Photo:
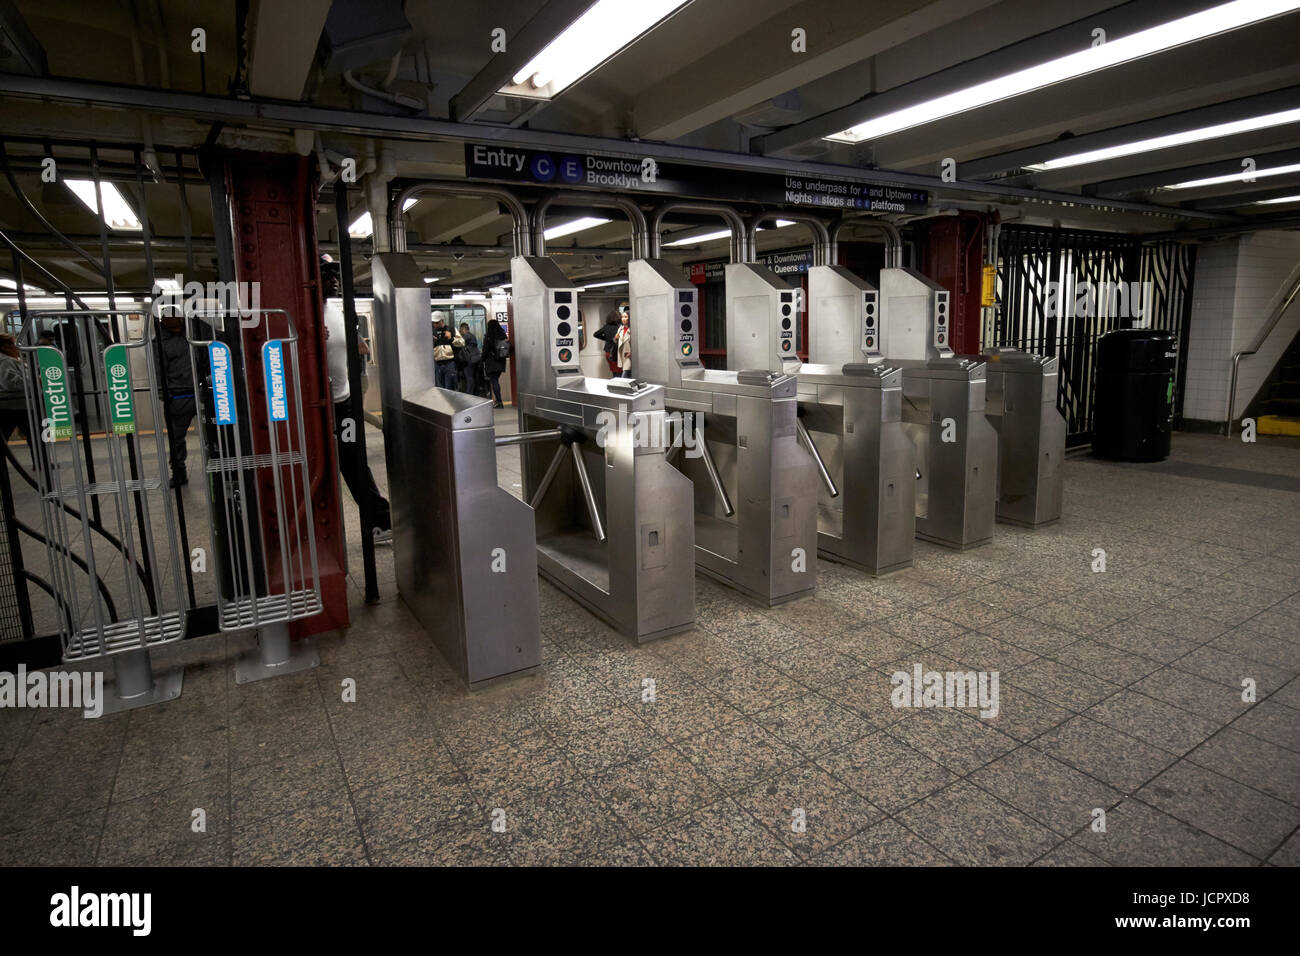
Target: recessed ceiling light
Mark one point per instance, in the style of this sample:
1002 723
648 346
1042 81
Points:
605 29
1188 29
1171 140
117 211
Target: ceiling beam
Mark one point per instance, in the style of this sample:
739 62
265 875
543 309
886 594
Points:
283 45
262 112
1071 38
1226 112
549 22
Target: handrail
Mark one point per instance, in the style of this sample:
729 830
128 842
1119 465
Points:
893 239
635 217
739 240
821 237
440 187
1269 325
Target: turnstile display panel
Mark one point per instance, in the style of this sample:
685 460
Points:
871 323
562 323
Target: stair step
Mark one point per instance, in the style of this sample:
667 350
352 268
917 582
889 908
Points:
1277 425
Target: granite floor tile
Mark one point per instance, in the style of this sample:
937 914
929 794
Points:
1237 814
1045 789
736 755
808 809
648 791
721 834
606 740
954 740
886 771
684 709
1194 694
71 841
1124 762
754 687
1109 663
1252 761
1231 670
407 807
1272 721
974 828
1068 854
561 826
1153 721
812 724
887 843
516 766
1140 835
323 834
265 790
1061 684
188 825
470 843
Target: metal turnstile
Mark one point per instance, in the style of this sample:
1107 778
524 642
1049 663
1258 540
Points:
614 521
943 412
1021 404
117 601
755 487
249 397
464 548
850 401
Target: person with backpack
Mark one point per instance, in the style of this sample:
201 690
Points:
608 333
470 359
496 350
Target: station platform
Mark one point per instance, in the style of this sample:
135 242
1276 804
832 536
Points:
1121 694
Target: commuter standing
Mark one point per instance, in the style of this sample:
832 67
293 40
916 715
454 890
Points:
608 333
181 407
13 396
496 350
624 343
471 359
360 479
445 343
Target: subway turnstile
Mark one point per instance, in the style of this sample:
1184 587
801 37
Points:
1021 404
120 599
615 528
464 548
755 486
943 412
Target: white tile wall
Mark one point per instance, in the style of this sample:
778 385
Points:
1237 284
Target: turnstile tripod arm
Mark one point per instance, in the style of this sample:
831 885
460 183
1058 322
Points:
718 487
545 484
584 479
827 480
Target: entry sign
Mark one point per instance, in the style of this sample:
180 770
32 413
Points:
54 390
277 398
223 385
121 403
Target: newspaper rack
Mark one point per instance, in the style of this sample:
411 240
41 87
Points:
260 501
124 525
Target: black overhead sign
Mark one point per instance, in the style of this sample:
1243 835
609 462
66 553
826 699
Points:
631 174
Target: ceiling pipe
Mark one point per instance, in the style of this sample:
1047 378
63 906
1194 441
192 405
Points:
740 251
821 238
635 217
521 236
893 238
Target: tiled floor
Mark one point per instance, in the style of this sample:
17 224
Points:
772 738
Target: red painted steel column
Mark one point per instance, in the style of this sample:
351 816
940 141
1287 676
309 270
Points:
952 255
272 211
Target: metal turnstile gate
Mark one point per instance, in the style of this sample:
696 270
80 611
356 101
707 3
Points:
83 379
260 501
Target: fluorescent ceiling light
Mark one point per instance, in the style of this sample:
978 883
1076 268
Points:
166 285
577 225
1189 29
1173 139
1240 177
362 227
11 285
601 285
723 234
117 211
1280 199
602 32
431 278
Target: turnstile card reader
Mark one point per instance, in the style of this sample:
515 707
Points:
755 487
844 318
755 296
614 524
1021 404
464 549
917 314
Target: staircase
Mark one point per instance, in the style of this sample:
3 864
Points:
1277 409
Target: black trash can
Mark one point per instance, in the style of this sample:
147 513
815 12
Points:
1134 412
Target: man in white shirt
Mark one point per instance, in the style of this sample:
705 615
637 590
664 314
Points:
359 478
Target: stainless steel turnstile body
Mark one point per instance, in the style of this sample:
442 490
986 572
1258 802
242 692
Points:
755 487
850 407
943 412
1021 405
615 528
464 548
